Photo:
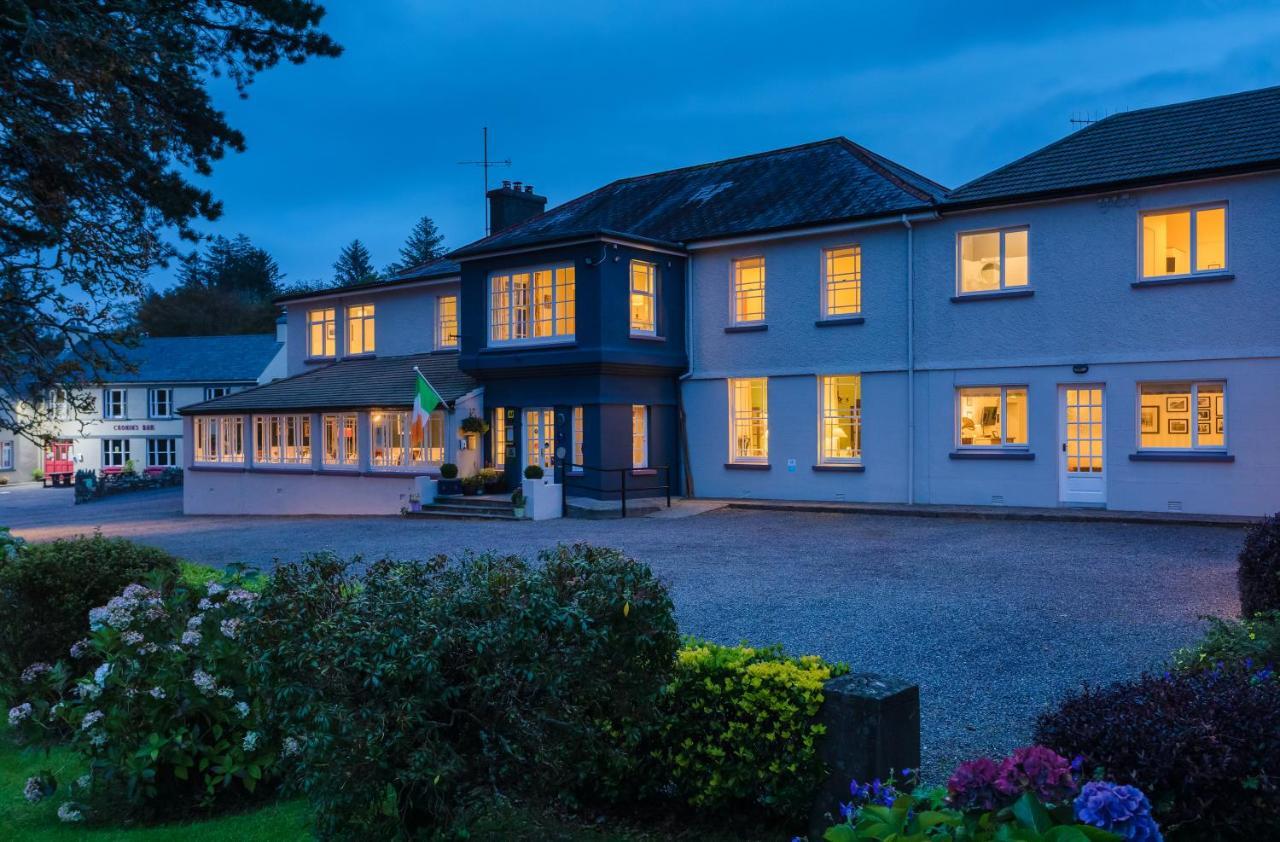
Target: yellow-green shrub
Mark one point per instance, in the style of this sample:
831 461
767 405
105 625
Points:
740 726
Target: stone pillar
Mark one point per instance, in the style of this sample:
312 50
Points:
873 728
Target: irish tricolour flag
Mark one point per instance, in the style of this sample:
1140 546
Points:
425 401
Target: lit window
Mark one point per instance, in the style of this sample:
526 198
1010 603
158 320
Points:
578 461
532 306
993 260
214 392
398 444
644 296
360 330
115 452
499 430
639 436
162 453
447 321
339 439
841 397
1184 242
1085 437
749 420
322 336
115 403
219 439
1182 416
748 290
160 403
540 438
282 440
842 295
993 416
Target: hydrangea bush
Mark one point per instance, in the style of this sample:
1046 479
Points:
162 711
1033 795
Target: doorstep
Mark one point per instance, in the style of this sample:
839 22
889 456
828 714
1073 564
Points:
1061 515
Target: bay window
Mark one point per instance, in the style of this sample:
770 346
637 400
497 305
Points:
361 336
841 408
339 440
992 416
532 306
842 284
322 334
748 291
1182 416
990 261
397 443
1184 242
282 440
644 297
219 439
749 420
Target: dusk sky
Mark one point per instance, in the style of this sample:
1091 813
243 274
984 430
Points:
578 94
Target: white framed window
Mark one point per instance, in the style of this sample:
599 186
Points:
60 404
446 321
749 420
115 452
1182 416
577 441
540 438
162 453
842 282
213 392
339 440
991 416
644 298
748 290
501 434
6 456
1189 241
115 403
990 261
840 397
361 337
160 403
219 439
396 444
322 333
639 436
533 305
282 439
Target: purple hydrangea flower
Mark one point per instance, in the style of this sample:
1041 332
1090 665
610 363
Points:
972 785
1038 770
1123 810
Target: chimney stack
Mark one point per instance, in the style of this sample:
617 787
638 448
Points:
513 203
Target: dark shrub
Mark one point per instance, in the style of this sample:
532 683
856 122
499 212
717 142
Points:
533 472
423 687
46 591
448 471
1203 745
1259 573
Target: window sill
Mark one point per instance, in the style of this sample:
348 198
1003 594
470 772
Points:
1153 456
648 337
329 359
988 296
282 469
837 321
368 355
336 471
748 466
1177 280
746 328
994 454
844 469
528 346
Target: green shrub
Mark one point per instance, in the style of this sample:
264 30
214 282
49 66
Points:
533 472
164 717
1258 576
421 689
46 591
1235 641
739 729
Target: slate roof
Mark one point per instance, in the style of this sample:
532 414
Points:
1221 135
439 268
197 359
828 181
347 384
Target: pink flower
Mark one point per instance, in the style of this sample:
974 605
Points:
1040 771
973 785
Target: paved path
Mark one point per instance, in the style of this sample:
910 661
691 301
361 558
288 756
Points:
991 618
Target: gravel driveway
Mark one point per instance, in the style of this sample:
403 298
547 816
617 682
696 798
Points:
992 619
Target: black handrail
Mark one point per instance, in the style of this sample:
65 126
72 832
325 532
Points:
571 472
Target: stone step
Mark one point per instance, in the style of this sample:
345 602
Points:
503 502
462 513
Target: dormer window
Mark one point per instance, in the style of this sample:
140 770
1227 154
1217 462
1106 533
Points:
360 330
322 334
532 306
990 261
1184 242
644 298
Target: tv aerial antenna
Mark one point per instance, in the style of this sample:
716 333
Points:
484 163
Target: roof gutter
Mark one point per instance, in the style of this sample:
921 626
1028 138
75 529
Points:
792 233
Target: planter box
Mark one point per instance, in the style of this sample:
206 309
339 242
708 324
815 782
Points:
425 488
449 487
543 499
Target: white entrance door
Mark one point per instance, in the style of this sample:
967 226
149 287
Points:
540 438
1082 476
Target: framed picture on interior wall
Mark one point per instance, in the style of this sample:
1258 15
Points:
1203 414
1150 418
1179 426
1202 402
1217 407
1177 403
1219 425
1202 427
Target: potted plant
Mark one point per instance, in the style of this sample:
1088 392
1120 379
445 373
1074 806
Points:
474 426
517 500
449 483
473 485
493 480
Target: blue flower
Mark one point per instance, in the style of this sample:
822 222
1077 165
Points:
847 811
1123 810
